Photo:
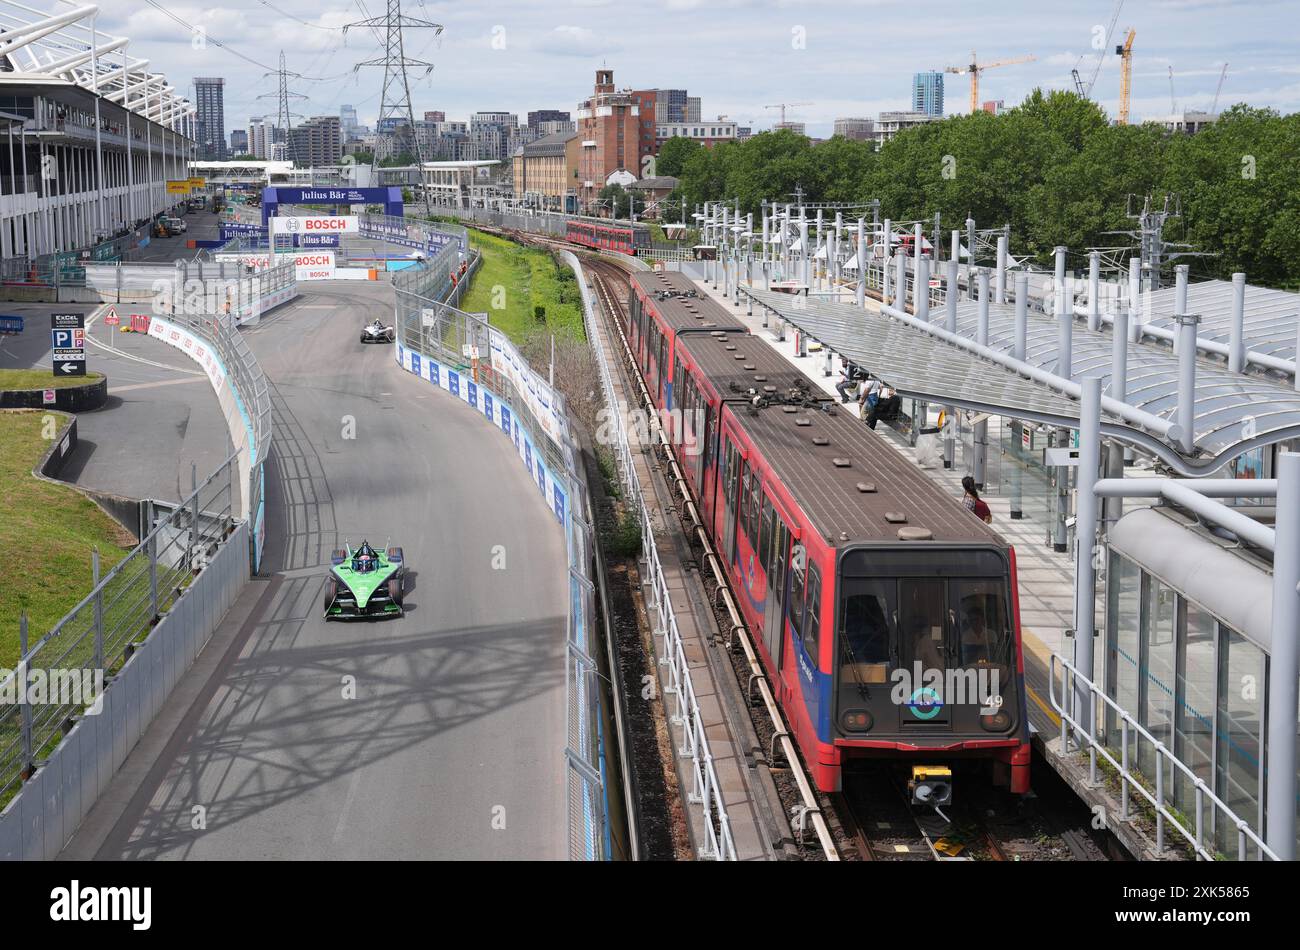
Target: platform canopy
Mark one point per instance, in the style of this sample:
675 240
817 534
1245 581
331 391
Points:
1233 413
1270 316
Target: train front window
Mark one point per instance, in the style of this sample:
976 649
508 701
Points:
980 615
953 623
866 632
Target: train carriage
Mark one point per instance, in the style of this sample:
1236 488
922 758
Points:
662 306
885 613
620 237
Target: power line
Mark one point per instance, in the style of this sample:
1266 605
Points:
208 37
396 101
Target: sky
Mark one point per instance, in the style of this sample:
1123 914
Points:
837 57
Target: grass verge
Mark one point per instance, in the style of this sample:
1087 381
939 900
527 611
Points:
49 530
15 379
514 281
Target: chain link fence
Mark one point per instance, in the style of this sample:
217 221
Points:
429 325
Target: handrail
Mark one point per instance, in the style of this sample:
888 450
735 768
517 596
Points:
706 790
1076 684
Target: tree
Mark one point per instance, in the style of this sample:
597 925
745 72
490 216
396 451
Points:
673 155
363 158
396 161
1054 169
620 201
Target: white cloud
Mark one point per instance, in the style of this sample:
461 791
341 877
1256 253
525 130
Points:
736 55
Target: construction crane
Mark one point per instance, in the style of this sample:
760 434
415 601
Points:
1125 54
1084 89
1214 109
974 68
784 105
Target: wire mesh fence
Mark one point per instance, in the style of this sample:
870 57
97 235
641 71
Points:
64 671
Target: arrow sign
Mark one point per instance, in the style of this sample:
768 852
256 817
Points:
73 368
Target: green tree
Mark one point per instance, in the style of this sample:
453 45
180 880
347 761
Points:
673 155
620 201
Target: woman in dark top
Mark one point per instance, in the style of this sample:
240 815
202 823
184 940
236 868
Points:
971 499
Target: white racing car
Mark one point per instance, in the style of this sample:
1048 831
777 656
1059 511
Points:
377 333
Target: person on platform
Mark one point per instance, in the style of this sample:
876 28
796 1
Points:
971 499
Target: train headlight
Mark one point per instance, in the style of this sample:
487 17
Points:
998 722
856 720
931 785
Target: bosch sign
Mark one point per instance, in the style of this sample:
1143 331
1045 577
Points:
347 224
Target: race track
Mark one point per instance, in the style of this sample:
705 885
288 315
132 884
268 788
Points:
438 735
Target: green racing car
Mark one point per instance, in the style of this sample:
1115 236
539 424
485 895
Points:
364 583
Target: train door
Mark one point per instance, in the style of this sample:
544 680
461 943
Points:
707 453
777 553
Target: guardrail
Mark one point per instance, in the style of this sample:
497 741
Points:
705 790
461 353
1209 806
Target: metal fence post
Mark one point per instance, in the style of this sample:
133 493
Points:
22 675
153 559
194 513
99 609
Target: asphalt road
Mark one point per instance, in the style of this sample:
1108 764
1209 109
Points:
437 735
161 416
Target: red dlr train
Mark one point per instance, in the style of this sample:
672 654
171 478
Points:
885 613
620 236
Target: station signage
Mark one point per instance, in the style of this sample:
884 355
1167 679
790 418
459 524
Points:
68 344
334 224
181 187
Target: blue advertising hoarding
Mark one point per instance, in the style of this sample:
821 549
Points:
272 198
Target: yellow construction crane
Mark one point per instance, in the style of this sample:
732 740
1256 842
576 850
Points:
975 68
1125 54
784 105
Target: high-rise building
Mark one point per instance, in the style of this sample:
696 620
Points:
798 128
496 134
238 142
539 117
927 93
675 106
994 106
348 120
316 142
556 126
858 129
611 135
210 120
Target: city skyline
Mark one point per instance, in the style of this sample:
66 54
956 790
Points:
810 55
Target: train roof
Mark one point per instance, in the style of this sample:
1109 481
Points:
681 305
851 483
730 356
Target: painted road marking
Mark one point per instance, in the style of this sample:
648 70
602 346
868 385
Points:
157 383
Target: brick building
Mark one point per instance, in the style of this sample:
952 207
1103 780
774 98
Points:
616 130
